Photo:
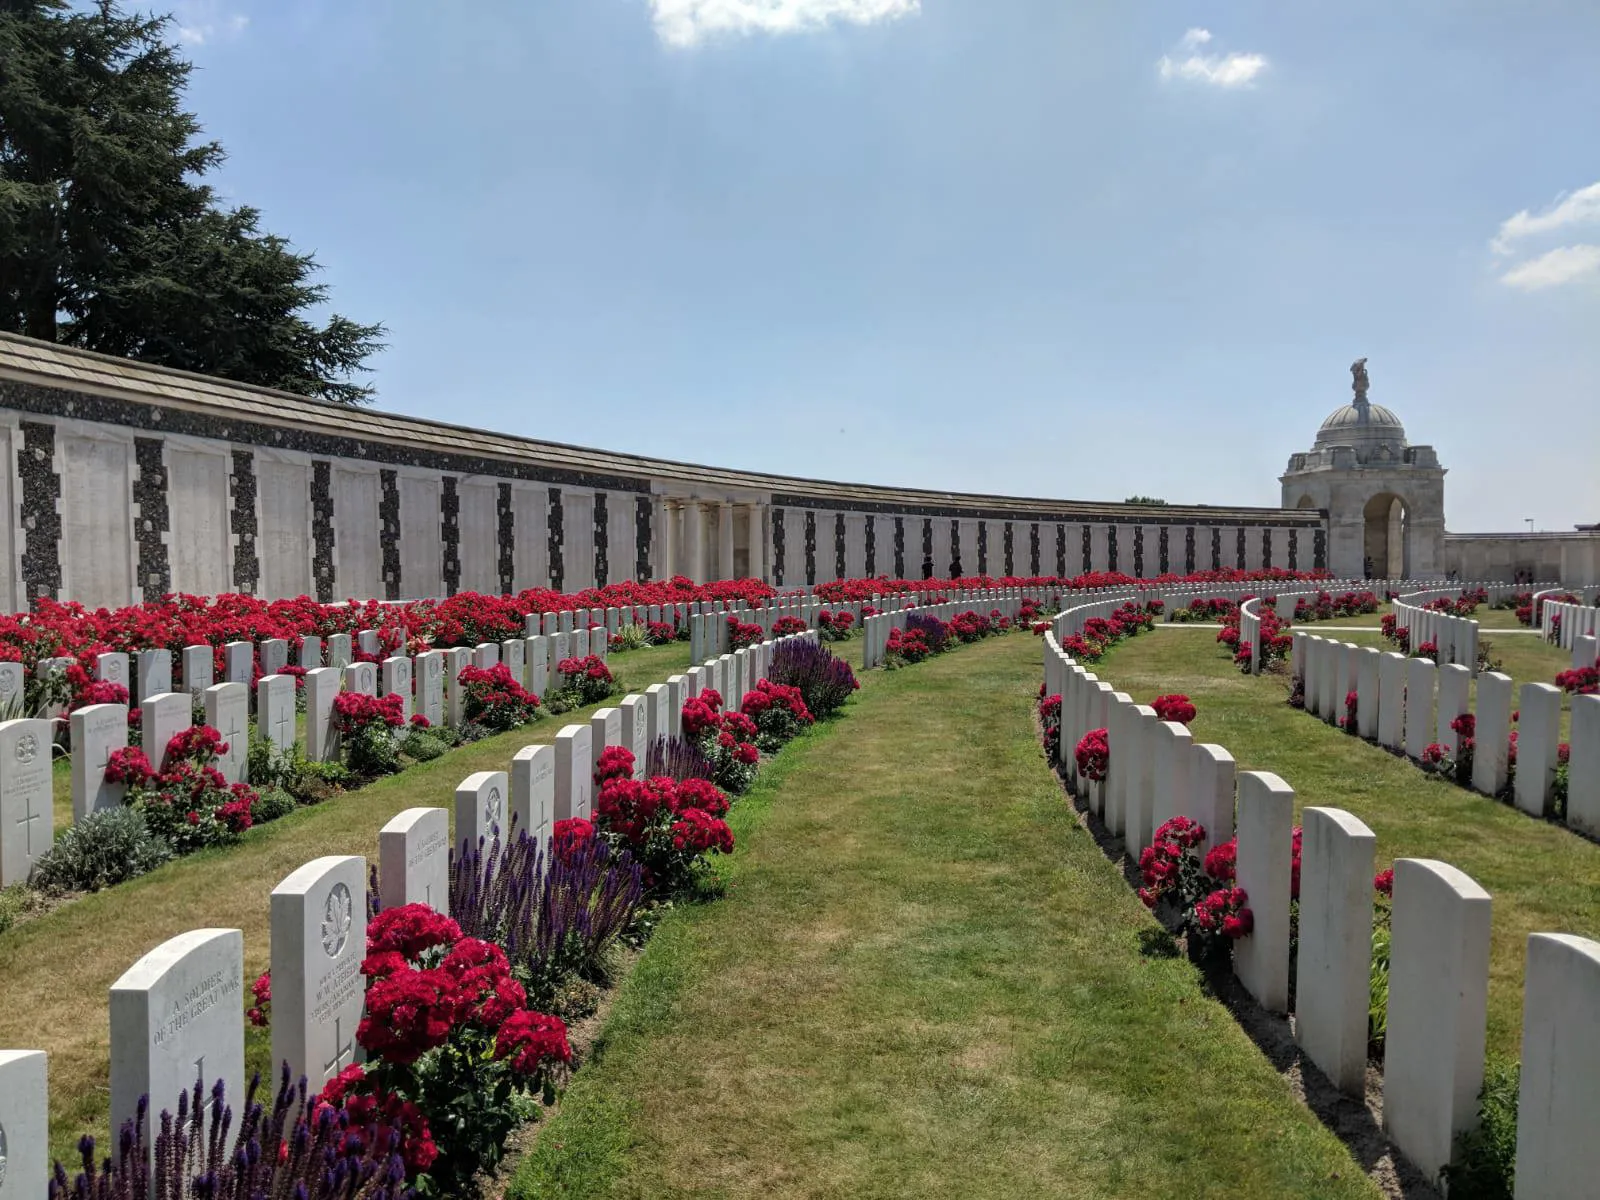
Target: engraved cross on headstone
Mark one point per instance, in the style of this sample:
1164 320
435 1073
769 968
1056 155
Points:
27 821
342 1048
232 734
283 727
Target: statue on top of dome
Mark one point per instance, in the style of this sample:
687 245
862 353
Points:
1359 382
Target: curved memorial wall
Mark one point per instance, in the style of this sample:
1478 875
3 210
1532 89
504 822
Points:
125 481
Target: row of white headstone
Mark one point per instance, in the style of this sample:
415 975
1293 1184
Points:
1407 704
1573 627
1439 950
1455 638
178 1013
876 628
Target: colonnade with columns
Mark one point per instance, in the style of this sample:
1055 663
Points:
708 539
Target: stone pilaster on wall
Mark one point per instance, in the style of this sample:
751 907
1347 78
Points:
1138 551
1216 549
1111 548
557 539
1294 549
1188 551
242 521
872 546
322 543
41 518
1010 549
899 547
778 536
1266 548
1239 553
983 547
1061 551
838 545
506 538
955 549
1088 549
811 547
450 532
153 518
389 531
1320 550
1165 560
602 542
643 524
1033 548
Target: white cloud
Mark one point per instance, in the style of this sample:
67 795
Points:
1554 268
1570 208
200 21
688 22
1218 70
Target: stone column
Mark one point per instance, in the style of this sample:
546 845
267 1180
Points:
695 539
724 540
669 539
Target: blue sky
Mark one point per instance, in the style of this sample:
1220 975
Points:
1041 247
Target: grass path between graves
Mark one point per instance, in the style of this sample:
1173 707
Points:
1543 877
925 980
56 970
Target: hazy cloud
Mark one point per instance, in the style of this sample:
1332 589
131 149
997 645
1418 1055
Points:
1571 208
1188 61
689 22
198 22
1565 264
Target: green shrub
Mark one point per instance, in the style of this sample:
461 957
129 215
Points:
471 731
270 804
1486 1158
105 848
632 637
372 750
422 746
321 781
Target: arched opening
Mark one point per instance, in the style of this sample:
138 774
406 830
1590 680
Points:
1384 546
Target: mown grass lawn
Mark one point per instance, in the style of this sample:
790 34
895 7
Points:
1542 877
925 980
56 970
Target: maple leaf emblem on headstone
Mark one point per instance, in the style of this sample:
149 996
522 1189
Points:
337 917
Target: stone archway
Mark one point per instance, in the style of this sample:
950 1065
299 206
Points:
1386 529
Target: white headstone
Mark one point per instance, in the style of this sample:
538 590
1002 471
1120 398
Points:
1214 783
560 650
430 686
605 729
228 712
1438 1004
536 657
97 730
397 682
1420 682
239 662
511 654
580 643
1455 681
1334 967
274 656
275 709
414 860
1263 868
319 937
574 771
1558 1155
175 1019
24 1125
486 655
1538 737
533 791
362 678
322 688
481 800
1583 768
112 667
340 653
367 640
155 672
12 682
635 731
310 652
162 718
27 821
199 669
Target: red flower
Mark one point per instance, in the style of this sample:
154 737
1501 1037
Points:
532 1040
1176 707
1383 881
410 929
408 1014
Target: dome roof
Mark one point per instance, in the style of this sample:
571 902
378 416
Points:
1348 425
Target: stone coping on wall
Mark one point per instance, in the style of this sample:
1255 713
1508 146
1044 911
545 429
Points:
51 380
